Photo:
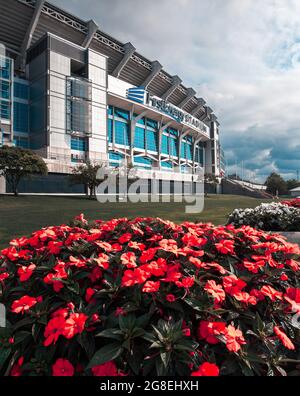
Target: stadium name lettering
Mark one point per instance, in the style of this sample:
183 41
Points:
178 115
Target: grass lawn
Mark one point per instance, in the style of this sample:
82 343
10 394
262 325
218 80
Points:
22 215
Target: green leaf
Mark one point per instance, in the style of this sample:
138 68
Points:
114 334
165 358
106 354
4 355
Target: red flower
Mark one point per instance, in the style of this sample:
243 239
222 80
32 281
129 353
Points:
234 339
108 369
207 370
284 278
233 285
55 247
74 325
129 260
151 287
147 256
209 330
23 305
89 294
3 276
284 339
136 277
81 219
62 368
125 238
102 261
54 329
16 370
171 298
26 272
216 291
273 294
225 247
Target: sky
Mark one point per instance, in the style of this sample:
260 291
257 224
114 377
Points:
241 56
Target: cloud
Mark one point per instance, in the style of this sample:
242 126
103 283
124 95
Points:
243 57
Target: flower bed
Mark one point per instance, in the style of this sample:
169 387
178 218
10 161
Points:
147 297
268 217
295 203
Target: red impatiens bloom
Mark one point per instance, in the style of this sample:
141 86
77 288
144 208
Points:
108 369
4 276
284 339
273 294
186 283
170 298
54 329
62 368
24 304
209 331
25 273
292 296
151 287
89 294
232 285
225 247
216 291
207 370
129 260
16 370
234 339
147 255
136 277
125 238
54 247
74 325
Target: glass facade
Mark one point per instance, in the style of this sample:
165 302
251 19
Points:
6 76
79 111
146 138
21 113
78 144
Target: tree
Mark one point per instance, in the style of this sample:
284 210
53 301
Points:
292 183
17 163
86 174
276 185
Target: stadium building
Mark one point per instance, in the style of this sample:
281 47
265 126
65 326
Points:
72 93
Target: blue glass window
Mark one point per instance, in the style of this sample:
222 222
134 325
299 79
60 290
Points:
189 154
122 133
152 124
20 141
143 162
167 165
21 117
110 131
110 110
173 147
152 141
21 91
121 114
4 89
78 144
139 140
5 68
5 110
165 145
116 156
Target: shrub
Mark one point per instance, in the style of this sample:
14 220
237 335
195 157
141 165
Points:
268 217
147 297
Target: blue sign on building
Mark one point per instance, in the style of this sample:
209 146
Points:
139 95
